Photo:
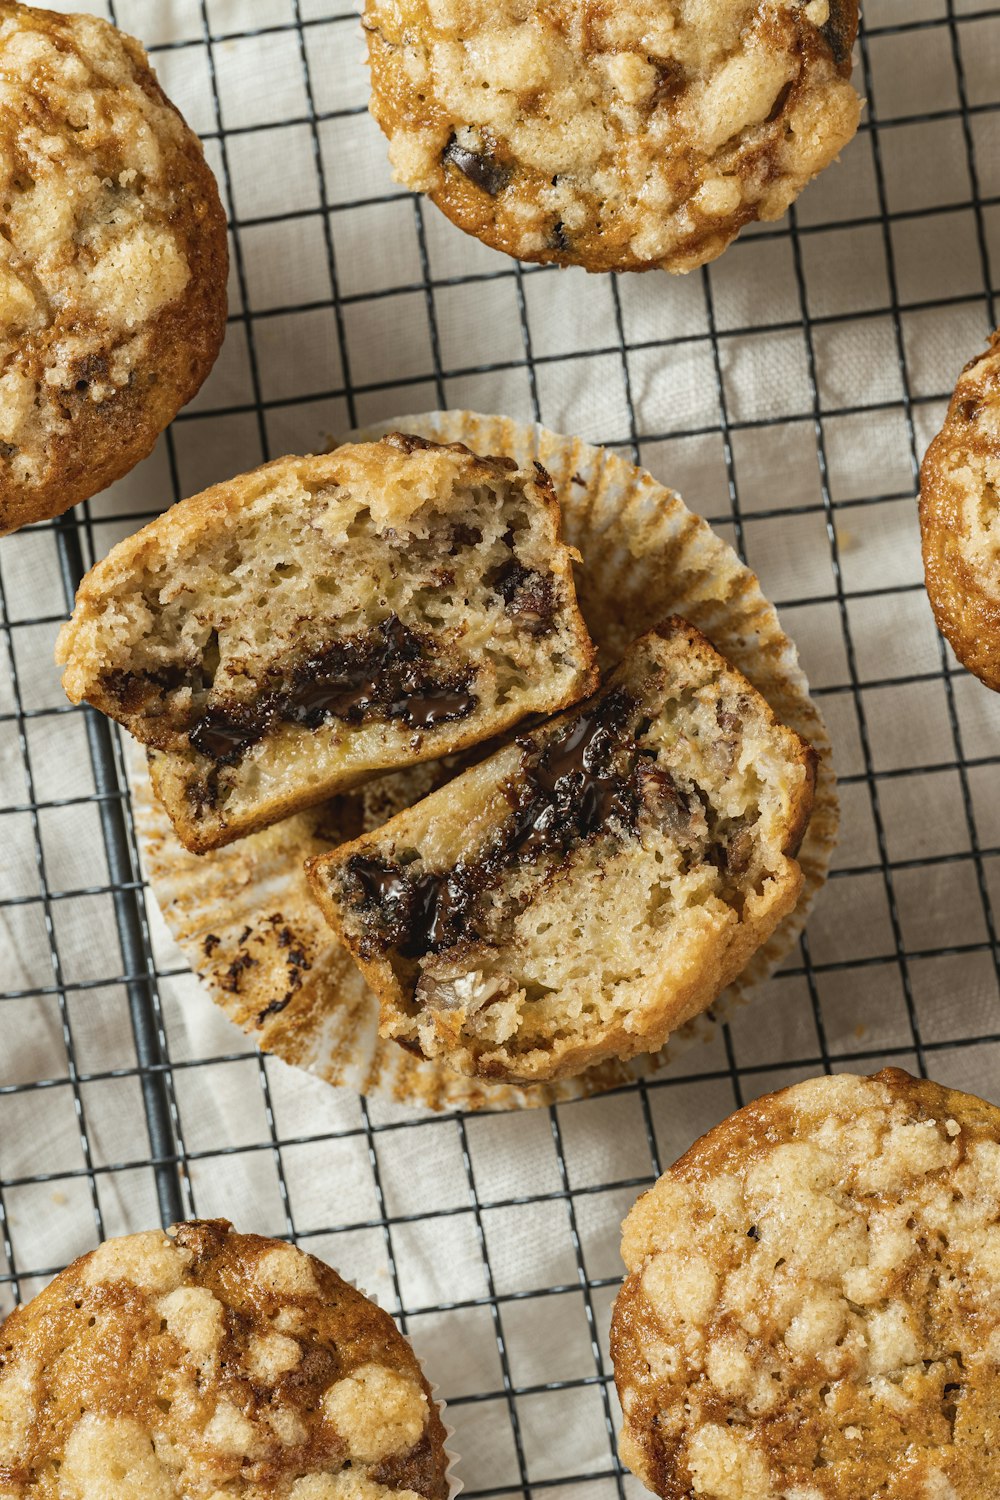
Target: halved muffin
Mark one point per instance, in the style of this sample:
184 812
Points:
291 632
586 890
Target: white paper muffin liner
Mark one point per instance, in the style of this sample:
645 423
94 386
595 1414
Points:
243 916
455 1483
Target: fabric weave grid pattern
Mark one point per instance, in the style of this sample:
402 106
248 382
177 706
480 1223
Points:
788 391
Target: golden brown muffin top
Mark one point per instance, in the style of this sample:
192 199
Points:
110 223
813 1305
960 518
206 1363
612 136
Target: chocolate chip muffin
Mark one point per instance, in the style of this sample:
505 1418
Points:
960 519
617 137
583 892
208 1363
113 260
812 1310
289 633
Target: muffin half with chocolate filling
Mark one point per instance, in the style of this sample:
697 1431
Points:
589 888
285 635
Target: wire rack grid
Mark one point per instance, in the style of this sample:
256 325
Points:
788 391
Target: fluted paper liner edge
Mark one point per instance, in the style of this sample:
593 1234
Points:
243 916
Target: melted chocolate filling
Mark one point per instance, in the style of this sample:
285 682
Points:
386 674
482 169
527 593
839 33
559 239
130 690
585 783
224 735
413 909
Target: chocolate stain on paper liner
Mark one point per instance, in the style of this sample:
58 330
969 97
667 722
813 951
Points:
645 556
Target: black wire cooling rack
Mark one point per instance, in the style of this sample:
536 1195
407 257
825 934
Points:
880 976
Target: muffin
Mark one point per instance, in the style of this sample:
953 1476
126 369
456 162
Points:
960 519
586 890
244 916
113 261
209 1363
617 138
291 632
812 1310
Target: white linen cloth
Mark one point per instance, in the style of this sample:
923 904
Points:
516 1206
